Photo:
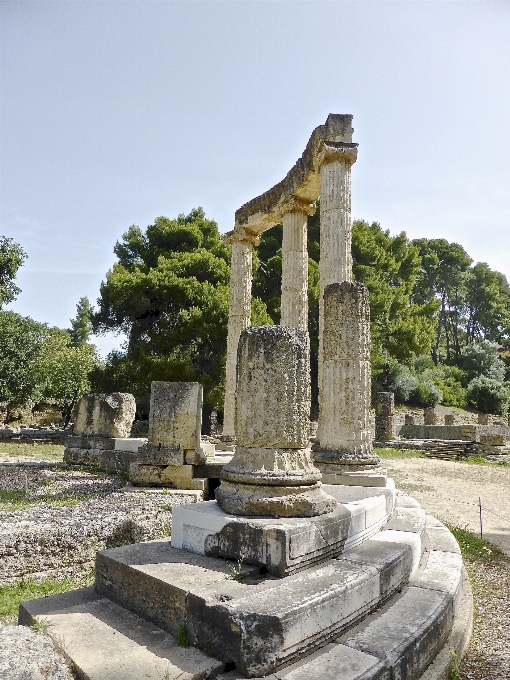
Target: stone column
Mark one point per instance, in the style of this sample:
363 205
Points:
239 314
295 265
429 416
344 416
271 473
335 266
385 430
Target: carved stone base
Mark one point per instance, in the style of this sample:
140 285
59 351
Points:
257 500
360 458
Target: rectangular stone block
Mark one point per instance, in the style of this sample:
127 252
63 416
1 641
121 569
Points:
282 546
156 455
176 476
175 417
104 415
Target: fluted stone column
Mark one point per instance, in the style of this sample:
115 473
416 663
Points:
271 473
295 265
344 417
239 314
335 263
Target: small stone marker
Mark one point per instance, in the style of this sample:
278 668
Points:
104 415
409 419
484 419
449 419
272 473
429 416
385 430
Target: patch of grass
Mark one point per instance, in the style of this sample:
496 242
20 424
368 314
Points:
34 451
236 573
414 487
182 638
25 589
11 501
389 453
474 549
41 625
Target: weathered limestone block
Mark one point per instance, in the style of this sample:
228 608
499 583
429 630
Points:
385 426
492 439
175 416
344 416
449 419
104 415
271 473
174 476
429 416
484 419
409 419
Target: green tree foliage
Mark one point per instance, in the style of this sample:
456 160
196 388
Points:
489 395
21 341
169 292
12 257
63 369
81 325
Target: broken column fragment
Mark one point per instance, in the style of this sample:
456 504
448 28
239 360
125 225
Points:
385 426
173 448
344 418
272 473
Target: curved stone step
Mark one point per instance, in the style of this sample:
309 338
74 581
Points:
383 609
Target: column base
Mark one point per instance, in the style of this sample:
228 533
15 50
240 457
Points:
257 500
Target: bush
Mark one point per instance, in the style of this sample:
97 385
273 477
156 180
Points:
482 358
489 395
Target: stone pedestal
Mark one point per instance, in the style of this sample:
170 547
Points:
449 419
484 419
344 416
271 473
409 419
173 448
385 426
101 428
239 314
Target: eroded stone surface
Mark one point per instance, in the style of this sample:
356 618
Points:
344 417
104 415
271 473
175 415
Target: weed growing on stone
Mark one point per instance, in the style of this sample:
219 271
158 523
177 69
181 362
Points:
41 625
473 548
236 571
182 638
25 589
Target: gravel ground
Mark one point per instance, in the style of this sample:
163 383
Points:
26 655
450 490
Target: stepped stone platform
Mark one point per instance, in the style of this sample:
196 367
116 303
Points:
105 453
393 606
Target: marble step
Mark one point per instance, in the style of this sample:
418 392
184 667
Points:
413 636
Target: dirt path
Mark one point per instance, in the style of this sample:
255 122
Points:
450 491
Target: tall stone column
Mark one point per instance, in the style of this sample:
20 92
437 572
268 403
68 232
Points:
344 417
295 265
271 473
335 264
239 314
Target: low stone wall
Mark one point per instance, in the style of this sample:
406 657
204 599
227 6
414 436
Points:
493 435
37 435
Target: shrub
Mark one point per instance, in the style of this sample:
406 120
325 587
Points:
489 395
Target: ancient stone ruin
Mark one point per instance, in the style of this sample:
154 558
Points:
101 428
331 581
174 446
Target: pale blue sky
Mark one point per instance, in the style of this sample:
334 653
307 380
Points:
115 112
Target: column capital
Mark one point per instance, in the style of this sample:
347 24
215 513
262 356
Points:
295 204
242 235
329 152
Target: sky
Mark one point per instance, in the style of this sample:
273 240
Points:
114 112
